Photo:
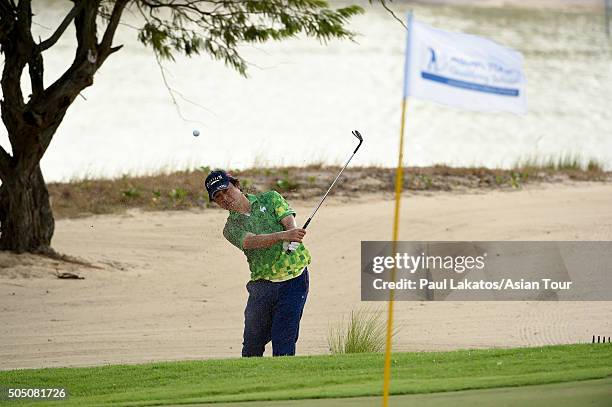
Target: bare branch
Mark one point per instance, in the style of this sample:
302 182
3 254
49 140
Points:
384 4
86 30
171 92
35 65
48 43
112 50
55 99
105 49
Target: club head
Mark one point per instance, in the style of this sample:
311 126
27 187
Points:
358 135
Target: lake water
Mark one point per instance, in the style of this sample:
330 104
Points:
303 98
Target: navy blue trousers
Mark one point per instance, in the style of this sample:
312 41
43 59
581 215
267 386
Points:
273 313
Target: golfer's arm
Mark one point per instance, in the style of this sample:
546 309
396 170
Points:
289 222
253 241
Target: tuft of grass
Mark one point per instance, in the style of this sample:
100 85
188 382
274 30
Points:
287 182
247 185
567 162
204 169
571 163
178 194
131 193
422 181
594 166
516 178
364 332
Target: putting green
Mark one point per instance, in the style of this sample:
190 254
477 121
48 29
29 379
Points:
592 393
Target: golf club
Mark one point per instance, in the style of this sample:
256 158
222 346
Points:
360 138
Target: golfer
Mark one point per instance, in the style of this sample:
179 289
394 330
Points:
263 227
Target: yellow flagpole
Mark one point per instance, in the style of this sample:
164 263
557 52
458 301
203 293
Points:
399 179
399 176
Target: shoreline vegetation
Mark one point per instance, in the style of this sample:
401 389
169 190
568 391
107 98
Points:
183 190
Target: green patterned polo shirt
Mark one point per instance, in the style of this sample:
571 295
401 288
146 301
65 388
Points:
270 263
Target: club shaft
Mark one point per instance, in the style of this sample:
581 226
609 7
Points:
328 189
356 134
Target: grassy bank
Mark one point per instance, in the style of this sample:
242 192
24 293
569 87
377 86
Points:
349 375
184 189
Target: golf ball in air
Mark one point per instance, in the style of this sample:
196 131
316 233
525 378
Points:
196 133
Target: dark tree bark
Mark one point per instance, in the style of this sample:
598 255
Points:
25 214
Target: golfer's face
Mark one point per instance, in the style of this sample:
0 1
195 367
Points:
228 198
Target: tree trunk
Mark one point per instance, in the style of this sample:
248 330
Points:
26 220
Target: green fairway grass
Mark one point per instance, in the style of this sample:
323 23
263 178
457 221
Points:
310 377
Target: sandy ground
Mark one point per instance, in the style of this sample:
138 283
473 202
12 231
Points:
168 286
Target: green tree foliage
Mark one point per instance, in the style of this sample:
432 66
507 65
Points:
218 27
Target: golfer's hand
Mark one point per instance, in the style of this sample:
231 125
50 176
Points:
294 235
290 246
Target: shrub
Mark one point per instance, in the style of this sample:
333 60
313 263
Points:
364 332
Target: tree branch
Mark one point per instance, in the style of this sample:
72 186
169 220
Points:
172 91
386 7
105 48
48 110
86 30
48 43
35 68
60 94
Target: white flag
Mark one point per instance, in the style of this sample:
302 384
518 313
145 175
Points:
463 70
